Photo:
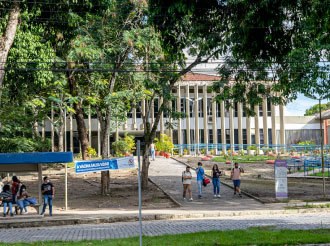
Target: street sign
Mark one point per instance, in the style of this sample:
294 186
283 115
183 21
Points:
281 180
104 165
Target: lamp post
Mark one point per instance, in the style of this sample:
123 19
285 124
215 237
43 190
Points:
321 136
196 121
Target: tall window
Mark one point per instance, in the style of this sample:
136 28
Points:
209 106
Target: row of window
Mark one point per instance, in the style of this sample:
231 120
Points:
200 102
219 139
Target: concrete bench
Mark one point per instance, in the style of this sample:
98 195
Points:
37 207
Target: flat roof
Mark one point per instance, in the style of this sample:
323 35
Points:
36 158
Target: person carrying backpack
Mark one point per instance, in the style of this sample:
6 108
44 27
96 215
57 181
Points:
200 178
236 177
186 181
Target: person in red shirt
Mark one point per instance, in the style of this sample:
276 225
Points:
15 185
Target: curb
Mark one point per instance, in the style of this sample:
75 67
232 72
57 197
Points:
167 194
224 183
152 217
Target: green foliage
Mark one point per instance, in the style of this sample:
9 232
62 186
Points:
307 142
316 110
164 143
252 147
120 147
21 144
91 152
129 140
123 146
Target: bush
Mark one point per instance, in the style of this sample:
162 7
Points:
164 143
91 152
252 147
124 145
21 144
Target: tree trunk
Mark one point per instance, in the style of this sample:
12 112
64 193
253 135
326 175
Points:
79 115
60 138
145 166
81 127
36 133
105 129
7 39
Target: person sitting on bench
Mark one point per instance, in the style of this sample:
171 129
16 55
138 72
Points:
21 202
7 200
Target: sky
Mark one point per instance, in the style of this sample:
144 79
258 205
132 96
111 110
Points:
299 106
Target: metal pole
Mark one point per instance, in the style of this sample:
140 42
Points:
66 186
322 156
140 196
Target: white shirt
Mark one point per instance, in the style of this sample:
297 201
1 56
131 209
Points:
186 174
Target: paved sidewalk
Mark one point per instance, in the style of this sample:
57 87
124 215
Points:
166 173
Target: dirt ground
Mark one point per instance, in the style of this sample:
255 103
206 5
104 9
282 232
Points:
84 190
258 180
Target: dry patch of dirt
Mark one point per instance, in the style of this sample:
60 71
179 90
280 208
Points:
258 180
84 190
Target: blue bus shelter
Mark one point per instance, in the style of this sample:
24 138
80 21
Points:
31 162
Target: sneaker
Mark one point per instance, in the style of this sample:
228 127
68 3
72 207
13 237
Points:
234 193
218 195
4 215
25 212
42 213
191 199
11 215
240 195
184 199
214 196
199 196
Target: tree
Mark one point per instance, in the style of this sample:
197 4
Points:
177 28
278 49
315 109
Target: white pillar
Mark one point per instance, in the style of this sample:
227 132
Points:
223 127
214 122
239 121
134 126
89 126
52 127
256 126
248 130
161 122
99 138
273 119
196 118
71 133
265 124
282 130
178 109
206 130
231 129
188 115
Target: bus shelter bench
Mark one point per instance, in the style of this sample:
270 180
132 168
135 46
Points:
37 207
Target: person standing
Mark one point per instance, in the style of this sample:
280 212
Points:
7 200
15 186
216 173
48 192
153 151
200 177
236 177
186 181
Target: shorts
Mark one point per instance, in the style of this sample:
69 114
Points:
237 182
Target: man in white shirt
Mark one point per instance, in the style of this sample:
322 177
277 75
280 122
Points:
186 181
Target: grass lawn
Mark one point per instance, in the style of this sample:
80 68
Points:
326 174
244 158
252 236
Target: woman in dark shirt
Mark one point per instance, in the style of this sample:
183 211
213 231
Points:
216 173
